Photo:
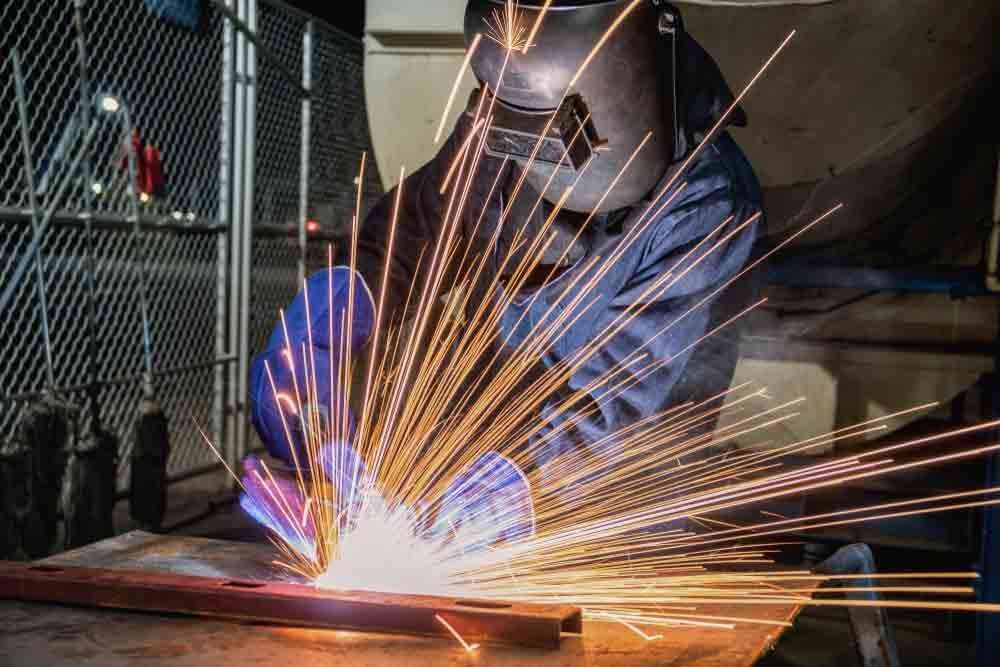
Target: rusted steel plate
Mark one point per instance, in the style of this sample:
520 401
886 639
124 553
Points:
289 604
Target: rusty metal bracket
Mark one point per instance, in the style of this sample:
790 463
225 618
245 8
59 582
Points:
532 625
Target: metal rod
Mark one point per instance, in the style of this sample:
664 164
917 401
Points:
307 48
29 174
247 233
11 215
535 625
15 281
236 237
138 252
227 148
123 380
89 279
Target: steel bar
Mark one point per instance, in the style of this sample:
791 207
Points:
90 256
236 221
246 231
138 251
220 431
29 175
14 283
304 156
127 379
108 222
539 626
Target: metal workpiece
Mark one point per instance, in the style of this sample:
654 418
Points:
533 625
111 638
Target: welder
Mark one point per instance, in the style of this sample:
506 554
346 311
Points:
650 75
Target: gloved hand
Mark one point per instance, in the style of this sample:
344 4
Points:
303 359
274 498
488 504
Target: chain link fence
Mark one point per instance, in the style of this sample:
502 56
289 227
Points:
331 65
173 79
338 135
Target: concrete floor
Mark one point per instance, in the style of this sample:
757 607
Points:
821 637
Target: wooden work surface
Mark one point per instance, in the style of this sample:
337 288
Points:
34 634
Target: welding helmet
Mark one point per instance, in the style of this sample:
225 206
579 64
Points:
626 91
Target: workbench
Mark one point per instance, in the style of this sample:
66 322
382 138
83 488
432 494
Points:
50 635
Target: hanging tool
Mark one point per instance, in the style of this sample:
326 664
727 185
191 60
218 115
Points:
15 497
45 426
89 489
151 446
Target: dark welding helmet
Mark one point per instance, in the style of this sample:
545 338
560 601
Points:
628 89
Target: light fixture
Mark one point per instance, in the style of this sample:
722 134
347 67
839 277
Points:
190 216
312 226
97 188
144 197
177 215
110 103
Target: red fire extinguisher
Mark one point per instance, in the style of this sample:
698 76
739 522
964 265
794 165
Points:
154 182
149 176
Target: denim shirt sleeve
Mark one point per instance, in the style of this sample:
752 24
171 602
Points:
720 184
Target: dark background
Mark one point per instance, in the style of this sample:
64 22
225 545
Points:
348 15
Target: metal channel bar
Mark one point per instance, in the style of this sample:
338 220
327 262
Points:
534 625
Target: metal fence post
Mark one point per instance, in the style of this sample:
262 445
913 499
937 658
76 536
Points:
307 49
236 235
246 231
223 343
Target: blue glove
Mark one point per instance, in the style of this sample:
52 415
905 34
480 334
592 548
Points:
487 504
327 291
274 499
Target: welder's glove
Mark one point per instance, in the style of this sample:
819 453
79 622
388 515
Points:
274 500
277 499
488 504
306 366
